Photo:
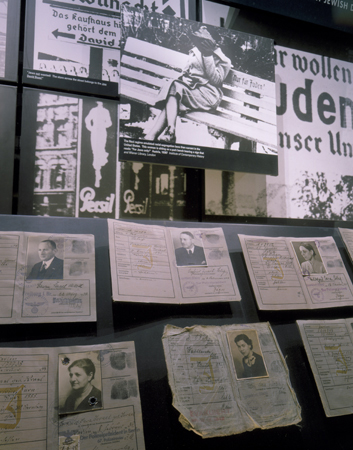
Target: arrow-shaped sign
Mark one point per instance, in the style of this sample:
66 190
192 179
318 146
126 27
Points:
57 33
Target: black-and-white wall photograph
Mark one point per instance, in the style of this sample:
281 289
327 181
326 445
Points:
9 38
8 95
3 29
159 192
73 143
191 91
73 45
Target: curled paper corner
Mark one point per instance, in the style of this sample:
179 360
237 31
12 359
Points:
174 330
170 328
188 425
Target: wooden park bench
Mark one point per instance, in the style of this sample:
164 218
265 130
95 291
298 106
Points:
246 113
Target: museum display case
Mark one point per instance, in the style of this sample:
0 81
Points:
61 174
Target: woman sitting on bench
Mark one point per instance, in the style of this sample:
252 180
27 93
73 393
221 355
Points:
198 88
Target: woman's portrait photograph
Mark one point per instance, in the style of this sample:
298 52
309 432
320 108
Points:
247 356
309 258
80 382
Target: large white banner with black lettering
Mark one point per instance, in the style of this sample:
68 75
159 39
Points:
314 124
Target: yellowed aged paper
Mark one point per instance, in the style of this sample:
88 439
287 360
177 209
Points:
213 391
30 416
347 237
329 347
158 264
47 278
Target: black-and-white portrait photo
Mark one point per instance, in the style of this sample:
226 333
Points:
80 383
189 249
50 264
308 257
186 83
248 359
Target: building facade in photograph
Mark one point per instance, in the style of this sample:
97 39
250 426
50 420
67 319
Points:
56 155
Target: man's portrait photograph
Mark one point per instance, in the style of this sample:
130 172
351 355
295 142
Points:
45 258
308 257
80 382
247 356
188 248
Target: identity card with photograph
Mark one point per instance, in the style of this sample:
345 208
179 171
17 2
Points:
47 278
229 379
296 273
70 398
158 264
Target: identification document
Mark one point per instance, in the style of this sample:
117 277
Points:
47 278
347 237
229 379
329 346
296 273
70 398
170 265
